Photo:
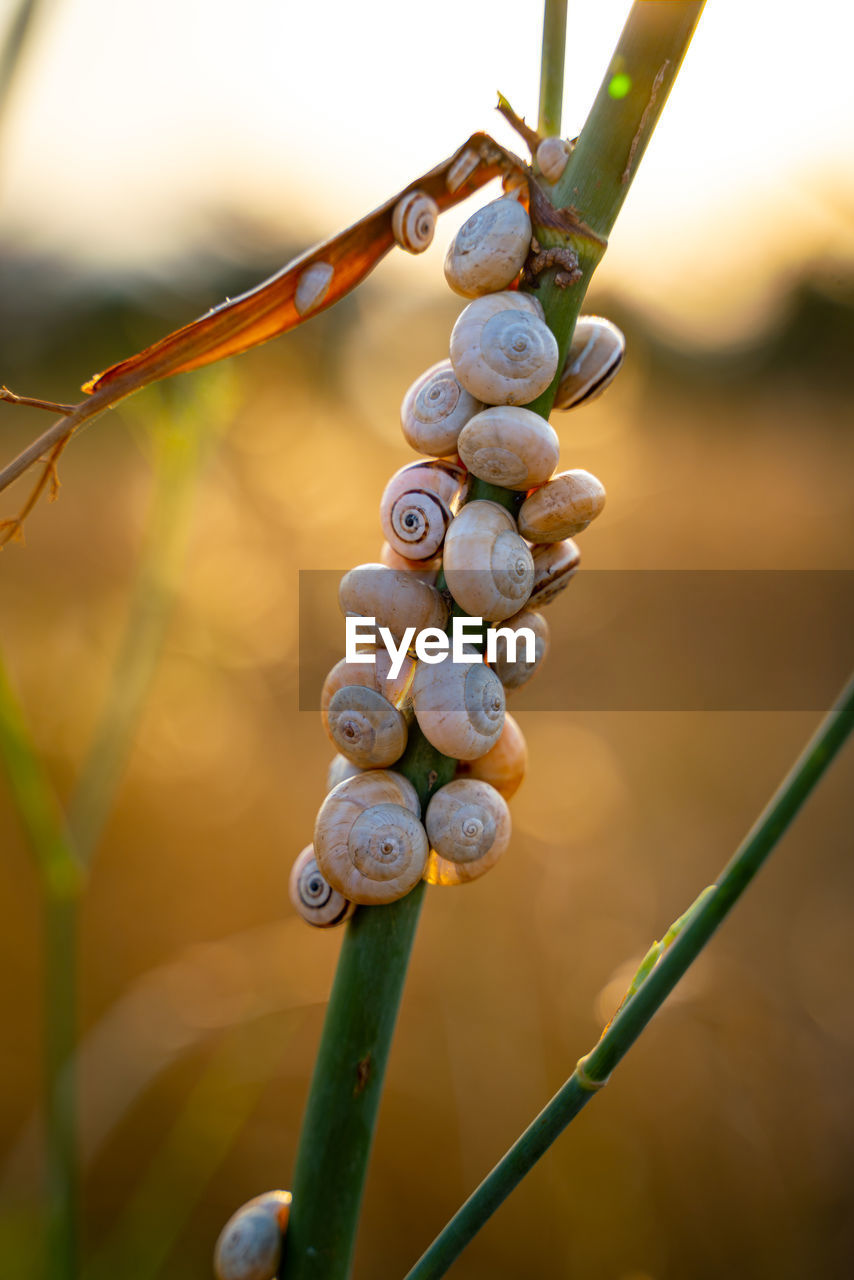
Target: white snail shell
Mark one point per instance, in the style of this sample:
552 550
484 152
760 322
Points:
413 221
516 672
339 769
368 840
595 354
426 570
488 567
563 507
554 565
313 896
490 249
249 1246
365 727
416 507
502 350
461 169
459 707
552 155
503 766
468 826
396 599
370 675
312 287
510 447
435 409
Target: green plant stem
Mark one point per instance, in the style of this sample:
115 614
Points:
551 68
701 921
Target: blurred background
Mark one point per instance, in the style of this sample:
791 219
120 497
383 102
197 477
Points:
156 158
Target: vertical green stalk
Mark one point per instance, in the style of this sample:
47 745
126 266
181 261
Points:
551 68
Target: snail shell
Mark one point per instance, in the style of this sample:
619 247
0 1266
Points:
490 249
415 510
554 565
370 675
461 169
413 221
426 570
561 508
468 826
435 409
502 350
459 707
396 599
312 287
552 155
510 447
503 767
595 354
249 1246
313 897
368 840
365 727
488 567
517 672
339 769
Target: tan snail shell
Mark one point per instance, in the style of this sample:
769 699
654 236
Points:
552 155
468 826
365 727
368 840
554 565
339 769
396 599
563 507
426 570
370 675
503 766
517 671
249 1246
416 507
595 354
461 169
312 287
435 409
510 447
313 897
459 707
502 350
489 250
413 221
489 569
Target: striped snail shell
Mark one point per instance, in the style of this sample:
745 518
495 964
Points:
516 671
365 727
461 169
395 598
339 769
249 1246
368 840
489 569
510 447
426 570
562 507
503 766
312 287
595 354
502 350
415 510
459 707
554 565
413 221
468 826
312 895
552 155
435 409
490 249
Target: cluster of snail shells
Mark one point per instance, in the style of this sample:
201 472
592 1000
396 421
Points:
372 843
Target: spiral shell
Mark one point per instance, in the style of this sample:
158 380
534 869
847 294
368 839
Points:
502 350
563 507
415 510
468 826
368 840
370 675
517 671
339 769
395 598
503 766
312 287
413 221
461 169
249 1246
459 707
489 569
595 354
313 897
554 565
435 409
510 447
489 250
365 727
552 155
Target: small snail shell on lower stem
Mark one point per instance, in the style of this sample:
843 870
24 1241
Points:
312 287
459 707
562 507
502 350
489 569
435 409
554 565
468 826
595 354
552 155
516 671
416 507
368 840
413 221
365 727
426 570
510 447
503 766
396 599
489 250
249 1246
313 897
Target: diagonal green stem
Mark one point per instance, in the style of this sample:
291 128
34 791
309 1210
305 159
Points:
551 68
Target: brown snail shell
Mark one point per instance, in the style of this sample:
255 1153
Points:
413 222
490 249
554 565
313 897
562 507
502 350
426 570
468 826
510 447
516 672
504 765
459 707
396 599
339 769
595 354
249 1246
366 727
416 507
370 675
435 409
489 569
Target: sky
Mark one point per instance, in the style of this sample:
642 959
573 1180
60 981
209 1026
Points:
131 122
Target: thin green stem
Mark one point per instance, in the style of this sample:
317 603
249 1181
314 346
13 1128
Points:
551 68
687 940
